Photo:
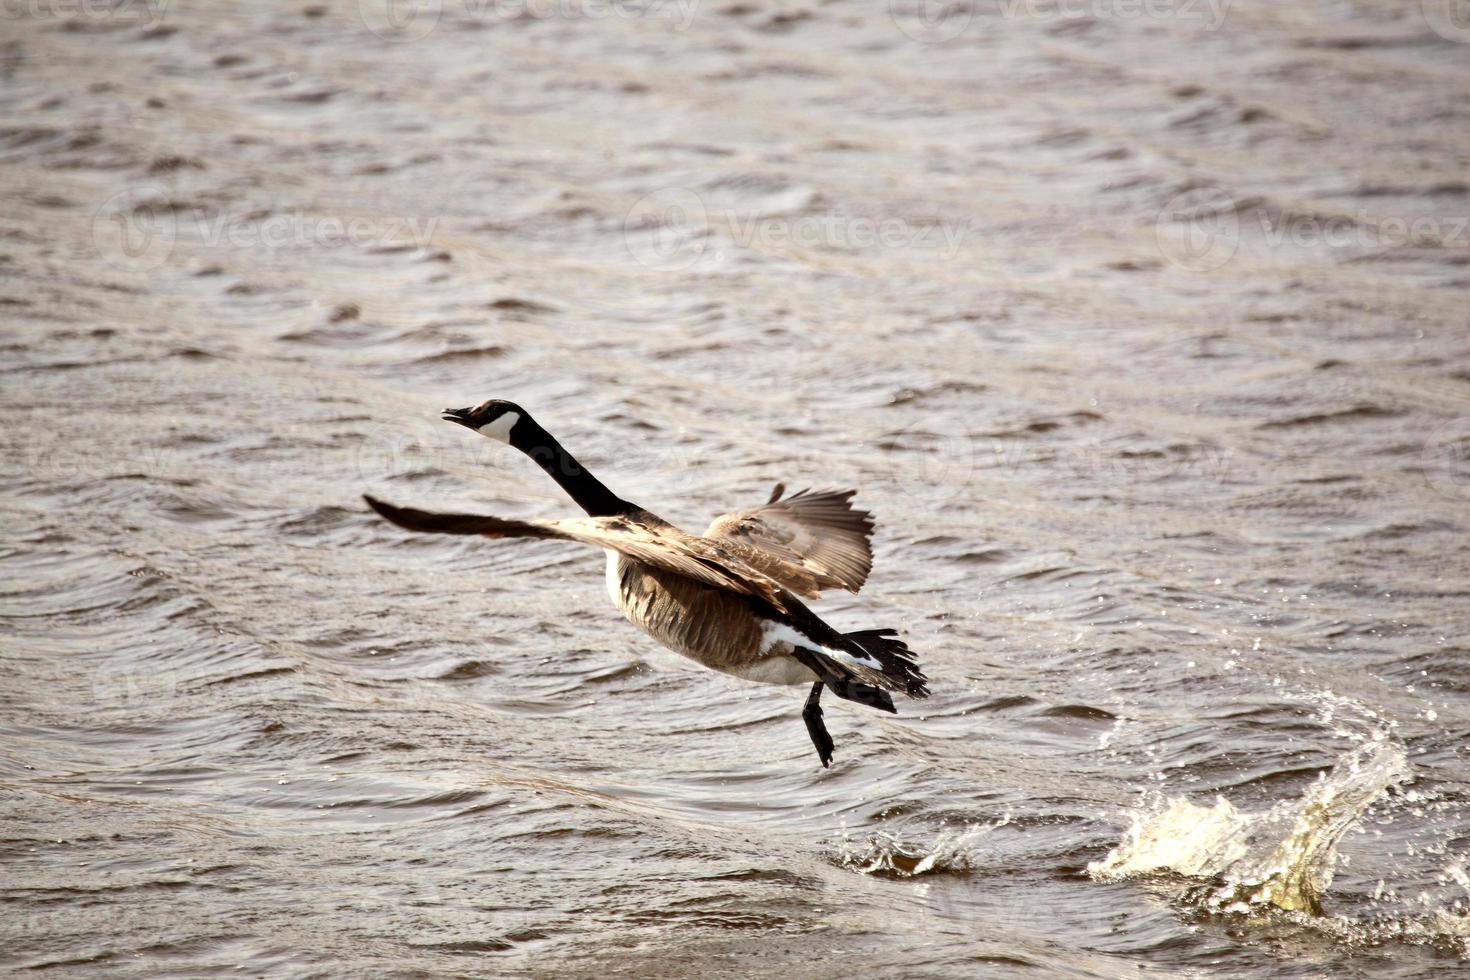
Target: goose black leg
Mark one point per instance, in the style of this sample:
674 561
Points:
812 715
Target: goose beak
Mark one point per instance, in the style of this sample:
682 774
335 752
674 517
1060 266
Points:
460 415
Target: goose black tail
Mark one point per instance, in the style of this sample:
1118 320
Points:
898 669
900 666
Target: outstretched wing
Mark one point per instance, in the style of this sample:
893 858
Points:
819 535
653 543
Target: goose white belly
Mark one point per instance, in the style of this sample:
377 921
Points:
780 669
614 579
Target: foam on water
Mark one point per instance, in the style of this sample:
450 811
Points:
953 849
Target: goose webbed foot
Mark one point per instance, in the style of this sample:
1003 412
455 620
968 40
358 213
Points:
812 715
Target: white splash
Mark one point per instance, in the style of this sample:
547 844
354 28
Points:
1281 857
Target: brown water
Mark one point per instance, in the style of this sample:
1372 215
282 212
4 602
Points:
1141 328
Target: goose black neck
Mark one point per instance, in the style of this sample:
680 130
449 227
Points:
584 488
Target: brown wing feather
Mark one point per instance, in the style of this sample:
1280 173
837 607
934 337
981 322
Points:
818 535
435 523
663 545
653 542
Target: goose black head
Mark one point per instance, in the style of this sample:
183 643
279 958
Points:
495 419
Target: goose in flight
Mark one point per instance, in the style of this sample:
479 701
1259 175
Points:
729 599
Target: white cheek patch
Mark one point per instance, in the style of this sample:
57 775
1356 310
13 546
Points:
500 428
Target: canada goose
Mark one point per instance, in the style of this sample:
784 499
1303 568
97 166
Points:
728 599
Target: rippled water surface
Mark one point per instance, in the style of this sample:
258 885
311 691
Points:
1143 335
